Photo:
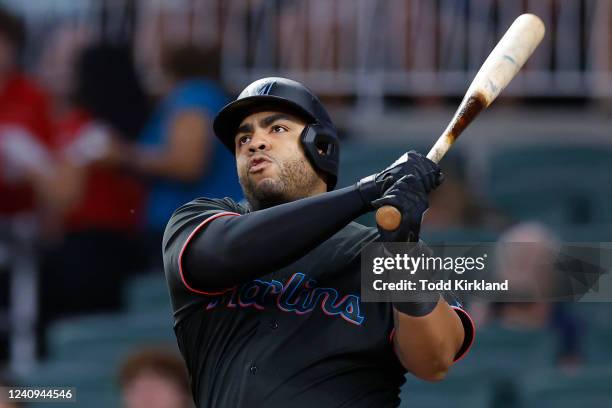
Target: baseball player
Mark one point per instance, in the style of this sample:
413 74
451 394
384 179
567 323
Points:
266 297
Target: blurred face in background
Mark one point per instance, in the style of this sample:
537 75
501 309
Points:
525 256
185 61
153 390
7 55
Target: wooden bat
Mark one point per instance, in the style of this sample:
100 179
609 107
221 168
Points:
506 59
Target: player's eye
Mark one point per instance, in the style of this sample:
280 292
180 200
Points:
242 140
278 129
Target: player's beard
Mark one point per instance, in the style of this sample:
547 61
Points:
295 179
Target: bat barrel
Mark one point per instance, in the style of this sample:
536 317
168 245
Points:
508 57
504 62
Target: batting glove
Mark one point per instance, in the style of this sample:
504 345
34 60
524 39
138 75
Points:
411 163
409 196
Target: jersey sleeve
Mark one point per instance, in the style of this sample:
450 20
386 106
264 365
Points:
186 222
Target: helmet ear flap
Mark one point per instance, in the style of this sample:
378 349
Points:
322 149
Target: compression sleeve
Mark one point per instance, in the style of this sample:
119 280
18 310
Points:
230 250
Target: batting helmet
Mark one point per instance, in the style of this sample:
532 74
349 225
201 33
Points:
319 137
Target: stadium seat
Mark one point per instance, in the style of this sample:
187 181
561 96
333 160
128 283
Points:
102 341
556 184
584 233
597 343
487 376
147 293
595 315
98 338
502 355
465 388
513 349
95 383
459 235
590 388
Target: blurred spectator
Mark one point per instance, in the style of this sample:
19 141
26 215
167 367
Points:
6 404
100 204
25 127
526 256
25 132
154 378
178 149
55 68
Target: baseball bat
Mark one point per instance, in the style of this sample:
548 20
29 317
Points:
502 64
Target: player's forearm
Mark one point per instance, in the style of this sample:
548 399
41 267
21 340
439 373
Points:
232 250
427 345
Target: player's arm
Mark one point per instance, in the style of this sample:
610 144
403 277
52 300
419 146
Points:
428 345
429 335
223 251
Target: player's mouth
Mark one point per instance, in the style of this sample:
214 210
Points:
257 164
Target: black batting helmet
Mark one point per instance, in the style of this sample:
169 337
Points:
319 137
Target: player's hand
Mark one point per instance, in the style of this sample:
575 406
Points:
412 163
409 196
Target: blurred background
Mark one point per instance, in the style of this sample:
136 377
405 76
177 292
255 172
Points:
105 128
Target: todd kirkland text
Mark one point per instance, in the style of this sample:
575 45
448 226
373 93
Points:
463 285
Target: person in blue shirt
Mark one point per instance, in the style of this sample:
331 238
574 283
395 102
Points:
177 149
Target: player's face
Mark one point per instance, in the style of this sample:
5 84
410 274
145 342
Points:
271 163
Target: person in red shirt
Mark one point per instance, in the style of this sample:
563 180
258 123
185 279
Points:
108 198
101 215
25 133
25 125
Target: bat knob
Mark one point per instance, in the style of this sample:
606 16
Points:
388 217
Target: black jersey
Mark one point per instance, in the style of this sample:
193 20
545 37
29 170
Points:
297 337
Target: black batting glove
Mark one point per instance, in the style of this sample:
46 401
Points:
409 196
412 163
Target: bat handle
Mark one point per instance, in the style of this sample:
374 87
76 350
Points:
388 217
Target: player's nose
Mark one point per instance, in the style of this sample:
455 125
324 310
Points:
259 142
